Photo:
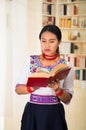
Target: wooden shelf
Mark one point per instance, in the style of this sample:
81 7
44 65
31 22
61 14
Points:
74 2
48 12
72 22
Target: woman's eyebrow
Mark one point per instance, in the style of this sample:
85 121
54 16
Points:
49 39
53 39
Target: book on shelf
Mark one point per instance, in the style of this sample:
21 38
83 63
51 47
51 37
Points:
51 0
48 9
72 61
66 45
51 9
68 9
71 47
76 61
81 62
82 22
43 77
48 20
65 22
64 9
77 74
84 74
80 74
75 22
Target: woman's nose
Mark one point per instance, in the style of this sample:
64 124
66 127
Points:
47 44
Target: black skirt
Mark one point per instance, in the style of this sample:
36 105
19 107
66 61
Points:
43 117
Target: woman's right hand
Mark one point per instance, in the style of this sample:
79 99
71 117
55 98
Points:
23 89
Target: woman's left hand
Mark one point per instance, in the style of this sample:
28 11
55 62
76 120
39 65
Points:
54 84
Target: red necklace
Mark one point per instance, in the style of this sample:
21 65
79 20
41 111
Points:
50 57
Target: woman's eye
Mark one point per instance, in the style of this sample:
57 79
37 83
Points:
43 41
51 41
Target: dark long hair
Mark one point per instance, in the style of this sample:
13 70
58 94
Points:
53 29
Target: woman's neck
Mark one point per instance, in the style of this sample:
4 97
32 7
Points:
52 57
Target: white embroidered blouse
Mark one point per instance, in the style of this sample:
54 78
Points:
33 63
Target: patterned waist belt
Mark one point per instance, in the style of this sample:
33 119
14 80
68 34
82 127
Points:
41 99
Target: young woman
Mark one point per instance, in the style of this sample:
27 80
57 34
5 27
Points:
44 110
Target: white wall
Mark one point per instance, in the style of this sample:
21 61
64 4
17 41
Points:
20 24
3 61
26 25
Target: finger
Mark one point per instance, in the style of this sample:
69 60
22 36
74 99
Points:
50 85
57 80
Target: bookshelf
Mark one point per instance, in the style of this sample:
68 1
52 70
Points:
48 12
71 18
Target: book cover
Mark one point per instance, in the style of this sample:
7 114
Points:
65 9
77 74
42 77
49 9
84 74
68 47
72 48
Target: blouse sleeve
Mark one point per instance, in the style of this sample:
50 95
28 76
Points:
24 73
68 83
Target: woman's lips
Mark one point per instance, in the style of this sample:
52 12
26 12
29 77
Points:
47 50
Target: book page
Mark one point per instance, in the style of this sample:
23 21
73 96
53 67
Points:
43 72
40 74
58 68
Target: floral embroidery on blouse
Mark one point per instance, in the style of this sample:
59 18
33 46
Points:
35 64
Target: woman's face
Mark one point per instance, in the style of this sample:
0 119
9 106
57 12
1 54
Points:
49 43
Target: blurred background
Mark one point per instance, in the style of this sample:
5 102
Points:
20 24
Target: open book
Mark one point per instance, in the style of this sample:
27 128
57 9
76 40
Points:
43 77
